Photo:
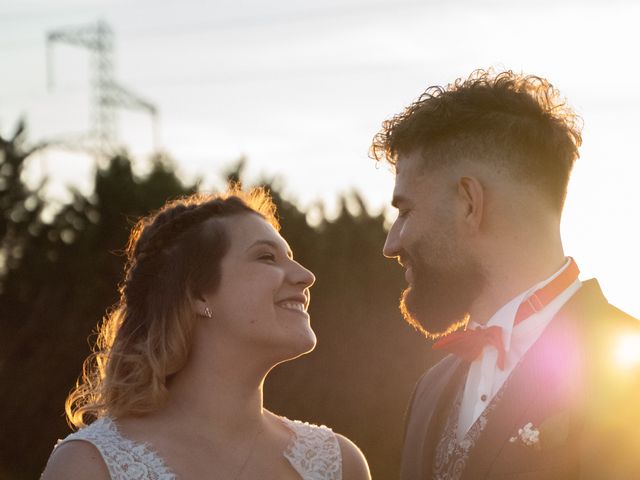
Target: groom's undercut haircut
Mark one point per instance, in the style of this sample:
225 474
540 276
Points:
519 123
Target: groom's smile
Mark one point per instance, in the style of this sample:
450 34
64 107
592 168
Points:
443 277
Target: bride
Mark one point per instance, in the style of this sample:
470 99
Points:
211 301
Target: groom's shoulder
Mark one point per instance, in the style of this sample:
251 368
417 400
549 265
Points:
623 319
613 323
428 389
441 371
443 366
599 322
611 438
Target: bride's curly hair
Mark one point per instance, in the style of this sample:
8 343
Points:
173 255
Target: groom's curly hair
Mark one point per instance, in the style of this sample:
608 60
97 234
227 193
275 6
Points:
173 256
518 122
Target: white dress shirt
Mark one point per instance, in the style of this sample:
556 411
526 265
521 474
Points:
485 378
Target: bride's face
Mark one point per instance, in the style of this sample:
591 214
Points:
263 295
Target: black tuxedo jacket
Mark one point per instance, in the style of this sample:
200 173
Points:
568 385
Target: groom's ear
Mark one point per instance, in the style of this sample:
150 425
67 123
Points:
471 198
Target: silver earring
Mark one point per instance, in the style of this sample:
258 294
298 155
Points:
207 312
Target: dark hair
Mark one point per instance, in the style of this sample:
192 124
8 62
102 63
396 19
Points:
518 122
173 255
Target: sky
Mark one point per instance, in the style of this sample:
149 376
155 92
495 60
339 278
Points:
300 88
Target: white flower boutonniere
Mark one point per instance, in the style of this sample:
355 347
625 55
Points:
528 435
553 432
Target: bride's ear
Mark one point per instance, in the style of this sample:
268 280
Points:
200 306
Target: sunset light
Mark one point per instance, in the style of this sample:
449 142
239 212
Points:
337 240
324 95
628 351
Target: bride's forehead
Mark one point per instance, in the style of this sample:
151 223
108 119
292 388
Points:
246 229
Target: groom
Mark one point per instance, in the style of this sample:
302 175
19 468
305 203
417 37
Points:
530 388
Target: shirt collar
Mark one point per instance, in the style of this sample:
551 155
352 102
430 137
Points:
506 314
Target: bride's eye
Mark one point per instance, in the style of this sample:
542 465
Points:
267 256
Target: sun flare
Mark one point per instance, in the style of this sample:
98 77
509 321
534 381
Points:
628 351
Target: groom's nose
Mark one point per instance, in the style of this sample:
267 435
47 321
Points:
391 247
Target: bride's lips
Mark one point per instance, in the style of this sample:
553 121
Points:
295 306
297 302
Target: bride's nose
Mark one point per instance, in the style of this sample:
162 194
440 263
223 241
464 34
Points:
302 276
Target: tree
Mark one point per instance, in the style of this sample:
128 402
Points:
20 207
55 296
358 379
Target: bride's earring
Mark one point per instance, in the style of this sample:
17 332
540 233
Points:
207 312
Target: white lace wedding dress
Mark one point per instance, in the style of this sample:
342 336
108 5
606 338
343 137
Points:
313 452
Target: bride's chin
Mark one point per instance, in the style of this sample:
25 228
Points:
302 345
311 342
307 341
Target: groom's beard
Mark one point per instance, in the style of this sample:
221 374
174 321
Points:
439 297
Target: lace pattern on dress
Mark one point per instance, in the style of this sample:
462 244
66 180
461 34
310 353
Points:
125 459
314 452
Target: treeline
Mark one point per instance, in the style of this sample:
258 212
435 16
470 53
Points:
57 278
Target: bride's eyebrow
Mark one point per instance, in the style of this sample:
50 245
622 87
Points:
271 244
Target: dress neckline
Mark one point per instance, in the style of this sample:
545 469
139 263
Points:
148 451
289 453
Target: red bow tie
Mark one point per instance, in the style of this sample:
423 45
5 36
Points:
468 344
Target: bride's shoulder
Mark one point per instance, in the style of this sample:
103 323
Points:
310 437
308 431
333 449
72 460
99 448
354 463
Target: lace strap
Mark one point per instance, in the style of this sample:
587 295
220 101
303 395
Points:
314 452
125 459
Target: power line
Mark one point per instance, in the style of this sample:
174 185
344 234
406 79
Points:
268 20
248 76
40 13
258 21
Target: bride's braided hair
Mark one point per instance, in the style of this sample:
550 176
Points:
154 239
173 256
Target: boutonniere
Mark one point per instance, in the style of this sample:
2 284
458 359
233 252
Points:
527 435
551 433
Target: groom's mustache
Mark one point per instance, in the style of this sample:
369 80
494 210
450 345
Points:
405 260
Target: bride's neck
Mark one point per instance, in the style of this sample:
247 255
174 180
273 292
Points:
217 396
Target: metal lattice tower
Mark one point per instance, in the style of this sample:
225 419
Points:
107 94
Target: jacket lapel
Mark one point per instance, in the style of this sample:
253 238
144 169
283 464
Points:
547 379
426 409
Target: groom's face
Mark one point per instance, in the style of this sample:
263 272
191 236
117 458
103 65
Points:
444 279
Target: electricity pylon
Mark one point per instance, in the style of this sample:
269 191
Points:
107 94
